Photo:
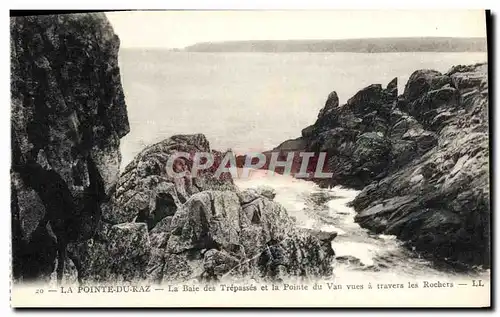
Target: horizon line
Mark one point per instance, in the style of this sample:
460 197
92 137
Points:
305 39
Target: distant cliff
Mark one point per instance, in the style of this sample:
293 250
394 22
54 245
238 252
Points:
374 45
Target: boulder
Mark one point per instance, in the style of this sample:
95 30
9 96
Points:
422 81
220 235
146 189
210 219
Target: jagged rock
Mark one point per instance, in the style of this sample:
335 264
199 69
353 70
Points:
425 108
338 140
67 109
217 263
439 202
402 126
355 159
300 255
209 219
392 89
159 235
420 159
221 234
422 81
344 134
372 153
403 152
146 189
187 266
332 102
468 78
366 100
68 115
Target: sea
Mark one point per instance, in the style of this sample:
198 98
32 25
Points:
250 102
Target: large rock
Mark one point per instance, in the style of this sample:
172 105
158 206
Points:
354 137
67 117
203 228
421 160
210 219
146 189
439 202
423 81
220 235
120 253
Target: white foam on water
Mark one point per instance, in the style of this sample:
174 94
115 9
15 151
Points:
384 252
291 193
365 252
387 237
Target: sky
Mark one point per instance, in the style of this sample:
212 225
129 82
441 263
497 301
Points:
178 29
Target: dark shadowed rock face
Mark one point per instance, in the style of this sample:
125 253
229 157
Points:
67 117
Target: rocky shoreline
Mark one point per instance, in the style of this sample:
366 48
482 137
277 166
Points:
148 225
421 160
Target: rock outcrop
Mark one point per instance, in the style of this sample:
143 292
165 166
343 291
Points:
421 160
440 202
72 210
67 117
204 228
146 189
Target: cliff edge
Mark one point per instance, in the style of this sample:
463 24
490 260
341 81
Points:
421 160
68 114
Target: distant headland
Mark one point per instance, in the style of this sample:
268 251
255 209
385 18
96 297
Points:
367 45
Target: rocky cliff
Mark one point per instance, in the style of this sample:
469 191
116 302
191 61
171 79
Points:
420 158
159 228
67 117
74 216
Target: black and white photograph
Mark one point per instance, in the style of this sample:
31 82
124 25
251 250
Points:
233 158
